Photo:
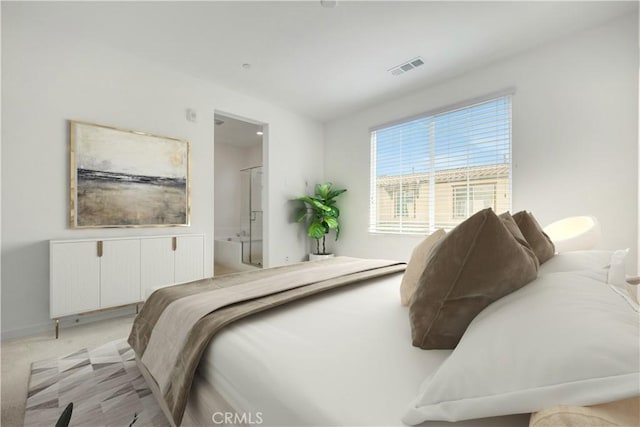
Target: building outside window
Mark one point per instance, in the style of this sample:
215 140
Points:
470 199
405 203
436 170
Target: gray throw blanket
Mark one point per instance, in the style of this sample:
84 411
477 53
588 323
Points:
177 323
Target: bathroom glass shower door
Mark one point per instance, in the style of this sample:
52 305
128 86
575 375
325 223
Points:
252 216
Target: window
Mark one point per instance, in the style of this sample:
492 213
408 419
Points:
436 170
468 200
404 203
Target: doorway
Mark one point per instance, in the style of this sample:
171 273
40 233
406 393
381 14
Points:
239 194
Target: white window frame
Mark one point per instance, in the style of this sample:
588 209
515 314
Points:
373 224
470 197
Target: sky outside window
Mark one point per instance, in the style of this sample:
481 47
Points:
473 136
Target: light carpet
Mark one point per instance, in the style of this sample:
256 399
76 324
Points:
104 384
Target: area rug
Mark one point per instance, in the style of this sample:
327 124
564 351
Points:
104 384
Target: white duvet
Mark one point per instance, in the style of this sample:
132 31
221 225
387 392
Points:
345 357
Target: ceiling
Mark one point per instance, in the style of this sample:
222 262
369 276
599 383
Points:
323 62
236 132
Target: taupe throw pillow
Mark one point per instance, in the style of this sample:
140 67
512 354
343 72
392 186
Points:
416 265
475 264
513 228
541 244
510 224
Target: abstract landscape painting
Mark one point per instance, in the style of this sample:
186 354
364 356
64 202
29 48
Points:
122 178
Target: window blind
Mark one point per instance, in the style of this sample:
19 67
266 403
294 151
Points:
437 170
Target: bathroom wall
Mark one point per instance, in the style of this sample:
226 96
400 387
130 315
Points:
228 185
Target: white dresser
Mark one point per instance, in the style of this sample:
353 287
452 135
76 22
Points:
94 274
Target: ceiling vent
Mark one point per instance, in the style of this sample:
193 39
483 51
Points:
407 66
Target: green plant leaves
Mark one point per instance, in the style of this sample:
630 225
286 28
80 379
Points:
321 209
315 202
316 230
301 214
322 190
335 193
331 222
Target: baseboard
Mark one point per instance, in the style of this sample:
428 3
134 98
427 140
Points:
36 329
65 323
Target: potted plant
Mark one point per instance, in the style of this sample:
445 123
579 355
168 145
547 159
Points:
322 213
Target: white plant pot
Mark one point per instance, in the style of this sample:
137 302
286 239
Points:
314 257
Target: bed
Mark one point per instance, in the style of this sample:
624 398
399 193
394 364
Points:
359 368
344 356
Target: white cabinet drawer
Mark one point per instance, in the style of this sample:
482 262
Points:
93 274
74 277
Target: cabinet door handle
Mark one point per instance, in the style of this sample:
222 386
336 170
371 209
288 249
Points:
99 248
174 243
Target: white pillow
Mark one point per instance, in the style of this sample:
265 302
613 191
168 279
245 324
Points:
576 260
617 278
565 338
617 268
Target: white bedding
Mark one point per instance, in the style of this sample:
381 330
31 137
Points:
341 358
345 357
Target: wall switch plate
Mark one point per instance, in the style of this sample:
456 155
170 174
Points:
192 115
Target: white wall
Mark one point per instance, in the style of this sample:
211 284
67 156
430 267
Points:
254 156
575 132
50 78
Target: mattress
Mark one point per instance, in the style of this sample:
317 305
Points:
341 358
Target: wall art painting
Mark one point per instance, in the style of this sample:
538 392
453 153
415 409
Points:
122 178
